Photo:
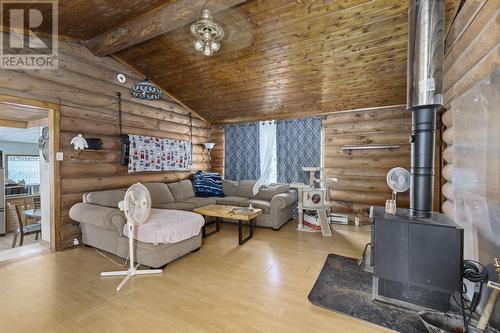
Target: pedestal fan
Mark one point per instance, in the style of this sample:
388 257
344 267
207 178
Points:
136 205
398 180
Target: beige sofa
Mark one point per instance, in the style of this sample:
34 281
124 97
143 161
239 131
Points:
102 222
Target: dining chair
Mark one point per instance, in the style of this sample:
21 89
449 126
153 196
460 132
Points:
36 203
36 206
16 213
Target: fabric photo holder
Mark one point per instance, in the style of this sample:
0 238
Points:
147 153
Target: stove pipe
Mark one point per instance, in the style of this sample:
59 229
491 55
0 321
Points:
424 96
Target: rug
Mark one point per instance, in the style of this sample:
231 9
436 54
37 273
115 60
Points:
344 287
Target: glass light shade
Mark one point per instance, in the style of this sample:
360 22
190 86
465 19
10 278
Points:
215 46
209 145
207 51
146 90
198 45
208 33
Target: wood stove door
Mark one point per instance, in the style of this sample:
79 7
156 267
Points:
391 250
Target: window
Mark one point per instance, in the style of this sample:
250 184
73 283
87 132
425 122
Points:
23 167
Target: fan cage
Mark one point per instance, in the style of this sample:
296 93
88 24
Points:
398 179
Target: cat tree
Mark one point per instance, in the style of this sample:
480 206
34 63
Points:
315 196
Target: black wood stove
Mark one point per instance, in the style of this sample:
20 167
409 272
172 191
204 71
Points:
417 253
417 261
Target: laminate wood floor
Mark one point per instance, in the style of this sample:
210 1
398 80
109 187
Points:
261 286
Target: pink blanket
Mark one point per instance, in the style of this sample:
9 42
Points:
166 226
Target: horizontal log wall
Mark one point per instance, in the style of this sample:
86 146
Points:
217 160
362 174
472 51
85 87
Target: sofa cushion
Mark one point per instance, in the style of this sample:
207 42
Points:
109 198
199 202
167 226
177 205
160 193
245 188
231 200
182 190
269 192
229 187
262 204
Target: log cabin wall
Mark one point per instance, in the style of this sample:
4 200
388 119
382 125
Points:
471 52
362 174
85 88
217 154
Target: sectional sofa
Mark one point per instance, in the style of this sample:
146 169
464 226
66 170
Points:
102 222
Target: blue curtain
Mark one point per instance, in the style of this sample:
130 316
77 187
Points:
298 144
242 154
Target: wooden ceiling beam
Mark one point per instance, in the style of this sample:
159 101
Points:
160 20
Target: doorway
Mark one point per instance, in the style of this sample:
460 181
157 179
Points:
28 177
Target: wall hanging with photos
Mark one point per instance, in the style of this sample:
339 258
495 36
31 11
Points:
148 153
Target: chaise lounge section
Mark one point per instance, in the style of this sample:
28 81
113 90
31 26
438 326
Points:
102 225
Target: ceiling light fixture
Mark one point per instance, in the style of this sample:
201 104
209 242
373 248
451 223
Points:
208 33
146 90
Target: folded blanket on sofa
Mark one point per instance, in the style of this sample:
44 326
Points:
208 184
167 226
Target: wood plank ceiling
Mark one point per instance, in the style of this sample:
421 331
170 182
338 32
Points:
279 58
296 58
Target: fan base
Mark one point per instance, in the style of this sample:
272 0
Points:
130 273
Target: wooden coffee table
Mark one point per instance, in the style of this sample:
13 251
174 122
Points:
226 212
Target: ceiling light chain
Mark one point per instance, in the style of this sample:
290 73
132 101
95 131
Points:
208 33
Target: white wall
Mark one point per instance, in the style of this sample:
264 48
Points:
18 148
45 197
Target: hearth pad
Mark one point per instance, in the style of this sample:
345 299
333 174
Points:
343 287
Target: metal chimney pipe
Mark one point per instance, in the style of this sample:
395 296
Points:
424 96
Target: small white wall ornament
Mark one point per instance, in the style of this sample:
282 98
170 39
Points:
121 78
79 142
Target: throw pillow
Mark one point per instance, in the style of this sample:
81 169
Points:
208 184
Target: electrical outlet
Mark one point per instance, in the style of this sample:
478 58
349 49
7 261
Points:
59 156
356 220
75 241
